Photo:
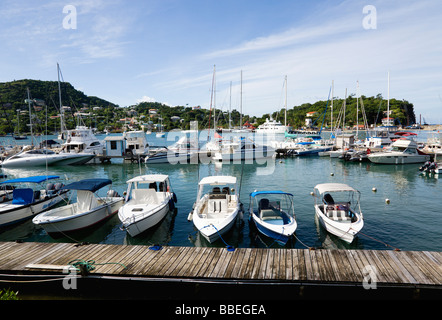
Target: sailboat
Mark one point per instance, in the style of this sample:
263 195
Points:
42 157
160 134
18 136
80 140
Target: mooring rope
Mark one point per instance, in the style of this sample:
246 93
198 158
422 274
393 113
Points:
89 265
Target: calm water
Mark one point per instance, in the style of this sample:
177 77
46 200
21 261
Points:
412 220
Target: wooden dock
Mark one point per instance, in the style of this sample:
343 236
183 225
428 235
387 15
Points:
136 271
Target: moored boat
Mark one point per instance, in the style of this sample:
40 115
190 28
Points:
89 209
148 200
273 214
343 218
217 206
28 202
402 151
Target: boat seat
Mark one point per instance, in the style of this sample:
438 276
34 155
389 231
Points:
23 196
339 215
217 206
270 214
143 196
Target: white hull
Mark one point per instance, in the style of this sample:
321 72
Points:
251 154
213 228
149 216
397 158
170 157
344 230
68 219
14 213
50 160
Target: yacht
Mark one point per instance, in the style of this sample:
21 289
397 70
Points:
242 149
82 140
402 151
43 157
272 126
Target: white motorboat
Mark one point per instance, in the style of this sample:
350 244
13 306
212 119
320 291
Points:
185 150
89 209
82 140
402 151
217 206
273 214
343 218
242 149
148 200
45 157
27 202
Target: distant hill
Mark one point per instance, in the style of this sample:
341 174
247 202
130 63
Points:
99 113
45 97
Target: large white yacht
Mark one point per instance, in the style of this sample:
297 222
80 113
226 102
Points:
82 140
272 126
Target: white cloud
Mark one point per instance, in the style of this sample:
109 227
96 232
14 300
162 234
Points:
146 99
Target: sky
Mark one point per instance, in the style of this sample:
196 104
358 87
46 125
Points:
167 50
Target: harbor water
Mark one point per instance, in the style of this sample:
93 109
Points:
411 220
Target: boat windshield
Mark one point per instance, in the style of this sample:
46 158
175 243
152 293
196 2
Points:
282 202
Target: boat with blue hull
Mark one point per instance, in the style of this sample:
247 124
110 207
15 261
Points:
273 214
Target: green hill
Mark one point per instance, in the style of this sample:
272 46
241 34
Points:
100 113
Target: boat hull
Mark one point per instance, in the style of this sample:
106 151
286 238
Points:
144 220
65 219
11 213
172 158
281 233
345 231
397 159
214 229
50 160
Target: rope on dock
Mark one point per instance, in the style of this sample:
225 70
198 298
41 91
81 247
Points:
85 267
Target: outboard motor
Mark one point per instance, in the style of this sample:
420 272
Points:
425 166
112 194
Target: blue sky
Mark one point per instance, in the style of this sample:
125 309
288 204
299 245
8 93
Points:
165 50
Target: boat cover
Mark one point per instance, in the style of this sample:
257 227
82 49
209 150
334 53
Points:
255 193
88 184
34 179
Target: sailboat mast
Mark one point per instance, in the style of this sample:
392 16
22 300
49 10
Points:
30 117
331 115
59 99
240 106
230 106
388 100
285 104
357 109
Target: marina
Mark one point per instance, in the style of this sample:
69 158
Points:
390 229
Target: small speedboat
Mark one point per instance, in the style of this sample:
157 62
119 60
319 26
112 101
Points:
27 202
148 200
273 214
216 207
338 210
87 211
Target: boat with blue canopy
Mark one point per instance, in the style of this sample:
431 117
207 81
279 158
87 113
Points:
89 209
27 202
273 214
